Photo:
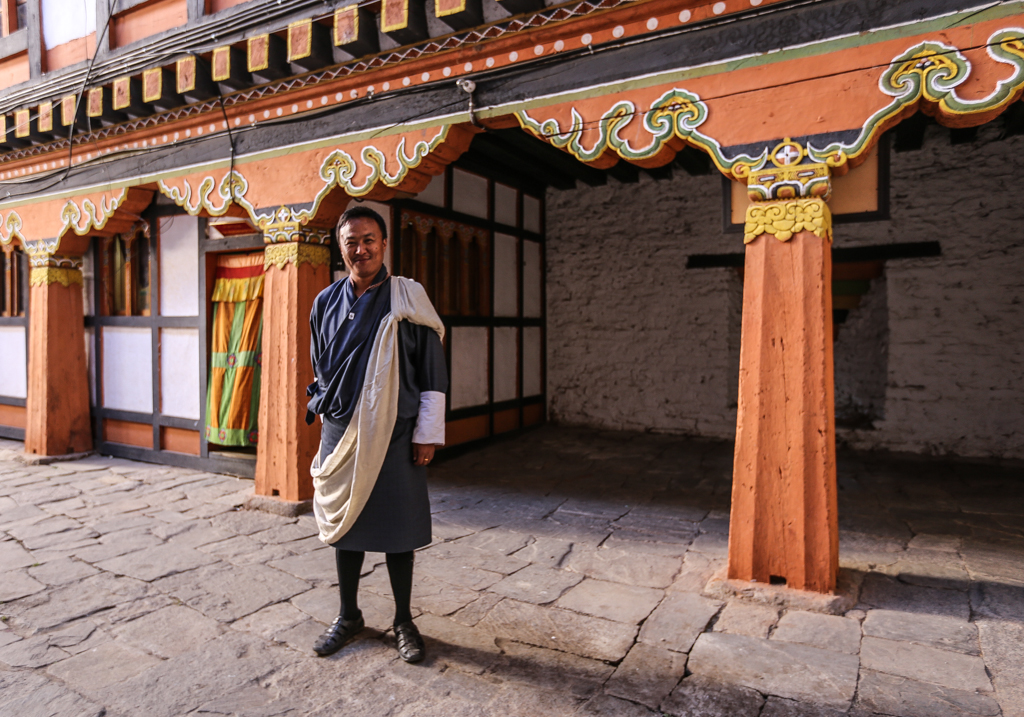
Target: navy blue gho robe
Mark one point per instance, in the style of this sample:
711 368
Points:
396 517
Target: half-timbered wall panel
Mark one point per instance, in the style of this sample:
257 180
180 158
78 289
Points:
127 368
506 276
179 266
14 373
469 377
179 373
506 363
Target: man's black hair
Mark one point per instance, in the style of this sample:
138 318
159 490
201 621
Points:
361 211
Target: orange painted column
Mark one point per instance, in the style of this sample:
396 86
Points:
297 269
784 526
58 380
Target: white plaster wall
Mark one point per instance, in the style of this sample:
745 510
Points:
636 341
67 20
14 375
955 380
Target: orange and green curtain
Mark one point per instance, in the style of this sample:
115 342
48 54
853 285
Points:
233 394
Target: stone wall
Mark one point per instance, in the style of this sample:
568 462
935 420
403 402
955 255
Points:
933 354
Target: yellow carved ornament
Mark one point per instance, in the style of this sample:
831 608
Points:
296 253
44 276
784 219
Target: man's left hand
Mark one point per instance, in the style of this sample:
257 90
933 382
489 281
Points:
422 454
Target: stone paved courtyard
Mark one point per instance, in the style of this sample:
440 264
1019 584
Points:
566 577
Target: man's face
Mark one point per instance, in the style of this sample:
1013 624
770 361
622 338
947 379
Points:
362 247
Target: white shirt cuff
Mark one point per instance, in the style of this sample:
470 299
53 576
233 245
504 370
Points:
430 422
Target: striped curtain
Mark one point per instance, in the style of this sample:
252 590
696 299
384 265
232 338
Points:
236 351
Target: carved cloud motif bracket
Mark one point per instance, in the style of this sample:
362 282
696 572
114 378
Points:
927 75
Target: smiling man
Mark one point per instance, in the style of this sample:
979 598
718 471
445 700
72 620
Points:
380 393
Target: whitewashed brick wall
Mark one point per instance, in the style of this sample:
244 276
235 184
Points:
636 341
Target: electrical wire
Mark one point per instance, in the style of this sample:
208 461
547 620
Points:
485 75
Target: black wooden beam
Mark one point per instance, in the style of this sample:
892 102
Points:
459 14
520 6
693 162
229 70
527 183
625 172
404 21
963 135
660 173
309 46
538 150
493 150
910 133
1013 119
355 33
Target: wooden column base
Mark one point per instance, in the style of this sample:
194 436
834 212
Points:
784 527
296 273
58 380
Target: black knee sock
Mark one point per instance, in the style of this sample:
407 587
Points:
400 572
350 564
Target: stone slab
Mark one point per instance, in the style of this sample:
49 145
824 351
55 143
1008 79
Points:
73 635
160 561
550 669
782 669
277 506
721 587
887 593
1002 643
13 556
229 594
698 696
210 671
465 648
560 629
246 522
548 552
62 571
629 604
31 652
272 620
16 584
475 611
941 631
536 584
647 675
169 631
609 706
743 618
47 699
678 620
100 667
829 632
620 566
902 697
317 566
926 664
501 541
778 707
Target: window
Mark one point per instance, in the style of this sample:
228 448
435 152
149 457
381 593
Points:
126 264
13 283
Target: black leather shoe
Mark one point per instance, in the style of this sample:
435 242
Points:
335 637
410 643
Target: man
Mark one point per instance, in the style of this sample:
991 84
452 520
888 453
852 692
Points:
380 392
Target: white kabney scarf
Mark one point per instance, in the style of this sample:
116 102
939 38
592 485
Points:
344 481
